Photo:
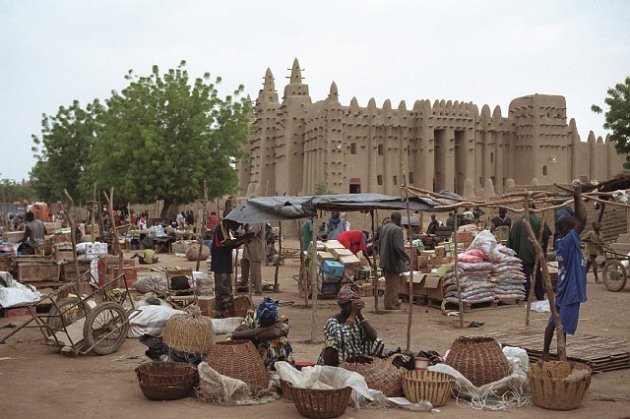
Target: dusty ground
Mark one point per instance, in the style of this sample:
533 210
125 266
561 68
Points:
39 382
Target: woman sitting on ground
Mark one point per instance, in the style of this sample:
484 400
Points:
349 333
267 332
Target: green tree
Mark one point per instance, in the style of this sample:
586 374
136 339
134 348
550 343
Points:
63 150
618 117
163 135
12 191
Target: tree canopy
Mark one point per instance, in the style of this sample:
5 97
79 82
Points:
618 117
159 138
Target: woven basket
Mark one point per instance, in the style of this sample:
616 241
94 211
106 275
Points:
188 334
479 359
166 380
286 389
558 385
379 374
240 360
432 386
321 404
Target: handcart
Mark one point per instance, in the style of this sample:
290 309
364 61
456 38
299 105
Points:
615 269
97 322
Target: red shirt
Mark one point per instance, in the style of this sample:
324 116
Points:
213 221
353 240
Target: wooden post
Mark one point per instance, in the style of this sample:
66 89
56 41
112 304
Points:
374 267
459 286
302 278
202 229
276 286
314 286
560 338
116 246
532 279
5 221
73 237
411 251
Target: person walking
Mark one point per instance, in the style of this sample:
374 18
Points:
594 243
393 259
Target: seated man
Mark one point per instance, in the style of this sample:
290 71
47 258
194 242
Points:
267 332
348 333
148 258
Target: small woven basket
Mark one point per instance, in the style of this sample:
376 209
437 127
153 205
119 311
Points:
166 380
188 334
479 359
240 360
558 385
432 386
321 404
379 374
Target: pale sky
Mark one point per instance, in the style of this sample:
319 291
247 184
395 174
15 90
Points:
487 52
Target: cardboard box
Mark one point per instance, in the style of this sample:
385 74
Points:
350 260
418 284
440 251
332 244
434 286
337 253
322 256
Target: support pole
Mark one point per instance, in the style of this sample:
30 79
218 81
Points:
410 313
202 230
314 286
374 266
73 237
459 286
276 286
302 278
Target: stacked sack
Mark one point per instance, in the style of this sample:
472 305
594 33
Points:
507 269
475 278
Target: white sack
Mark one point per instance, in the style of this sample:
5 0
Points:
150 320
18 294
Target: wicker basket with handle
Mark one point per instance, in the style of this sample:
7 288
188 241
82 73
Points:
558 385
432 386
379 373
240 360
479 359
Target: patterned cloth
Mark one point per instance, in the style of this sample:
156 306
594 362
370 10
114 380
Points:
270 351
223 290
348 340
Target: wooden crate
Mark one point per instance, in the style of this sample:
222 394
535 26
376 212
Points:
70 273
38 271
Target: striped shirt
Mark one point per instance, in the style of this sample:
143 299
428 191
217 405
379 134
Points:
348 340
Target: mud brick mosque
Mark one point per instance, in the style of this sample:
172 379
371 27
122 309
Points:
297 144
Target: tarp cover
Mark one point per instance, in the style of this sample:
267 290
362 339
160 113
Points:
267 209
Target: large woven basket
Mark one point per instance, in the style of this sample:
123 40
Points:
188 334
240 360
558 385
479 359
321 404
166 380
379 374
432 386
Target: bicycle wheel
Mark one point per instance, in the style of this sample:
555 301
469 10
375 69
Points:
106 328
615 276
65 309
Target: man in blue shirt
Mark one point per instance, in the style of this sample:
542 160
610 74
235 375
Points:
571 287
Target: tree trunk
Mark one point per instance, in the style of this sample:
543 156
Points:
168 209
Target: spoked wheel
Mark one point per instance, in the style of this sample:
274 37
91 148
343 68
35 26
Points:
106 328
615 276
71 309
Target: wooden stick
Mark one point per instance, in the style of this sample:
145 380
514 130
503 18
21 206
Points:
374 267
276 286
314 286
202 229
411 250
302 278
73 237
459 286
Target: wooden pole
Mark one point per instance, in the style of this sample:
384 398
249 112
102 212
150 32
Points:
116 245
459 285
532 279
202 230
276 286
411 251
5 221
314 286
302 278
73 237
374 267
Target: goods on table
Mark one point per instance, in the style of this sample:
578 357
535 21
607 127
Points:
431 386
380 374
240 360
558 385
479 359
166 380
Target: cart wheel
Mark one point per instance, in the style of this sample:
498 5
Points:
615 276
70 314
106 328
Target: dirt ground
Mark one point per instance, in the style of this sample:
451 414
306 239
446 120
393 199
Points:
38 381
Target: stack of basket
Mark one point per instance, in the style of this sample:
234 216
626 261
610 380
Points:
240 360
479 359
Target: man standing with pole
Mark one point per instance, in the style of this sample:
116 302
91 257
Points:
393 259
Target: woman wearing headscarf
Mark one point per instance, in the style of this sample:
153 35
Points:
349 333
267 332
